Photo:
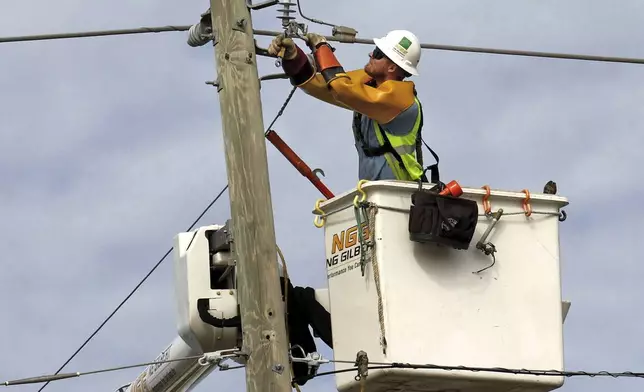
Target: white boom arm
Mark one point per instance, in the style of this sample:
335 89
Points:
180 376
208 318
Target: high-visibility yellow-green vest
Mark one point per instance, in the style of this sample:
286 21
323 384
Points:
402 153
401 157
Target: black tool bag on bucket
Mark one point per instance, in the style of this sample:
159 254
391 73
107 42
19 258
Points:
444 220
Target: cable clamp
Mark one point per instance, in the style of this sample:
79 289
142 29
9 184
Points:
216 357
345 34
313 360
296 29
362 362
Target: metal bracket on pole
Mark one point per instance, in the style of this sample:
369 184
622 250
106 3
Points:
240 25
216 357
216 83
272 77
259 51
313 360
259 6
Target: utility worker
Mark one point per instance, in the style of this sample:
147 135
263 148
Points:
387 123
387 114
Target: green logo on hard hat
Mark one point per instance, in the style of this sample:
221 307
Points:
405 43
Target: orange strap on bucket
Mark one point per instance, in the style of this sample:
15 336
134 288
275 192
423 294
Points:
486 200
527 207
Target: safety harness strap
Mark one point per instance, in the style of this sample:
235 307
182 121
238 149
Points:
433 169
388 148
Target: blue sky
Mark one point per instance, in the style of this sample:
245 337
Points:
112 145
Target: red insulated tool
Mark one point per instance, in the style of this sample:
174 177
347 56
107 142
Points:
299 164
452 189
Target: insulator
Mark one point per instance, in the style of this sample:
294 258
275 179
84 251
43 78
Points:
198 35
286 12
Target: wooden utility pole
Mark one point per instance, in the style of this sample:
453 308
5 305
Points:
262 312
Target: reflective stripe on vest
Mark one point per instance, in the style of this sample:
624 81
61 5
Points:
405 146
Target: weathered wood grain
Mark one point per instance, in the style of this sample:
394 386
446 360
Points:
262 314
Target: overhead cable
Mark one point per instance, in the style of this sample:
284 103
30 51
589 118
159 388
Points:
551 373
299 9
205 360
482 50
281 111
143 30
97 33
216 359
136 287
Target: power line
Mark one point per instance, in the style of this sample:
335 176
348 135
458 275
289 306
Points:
135 288
281 111
483 50
56 377
204 360
550 373
318 21
144 30
97 33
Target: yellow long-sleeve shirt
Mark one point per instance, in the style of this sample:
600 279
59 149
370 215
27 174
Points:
391 104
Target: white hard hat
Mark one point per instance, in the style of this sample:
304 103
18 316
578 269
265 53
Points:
402 47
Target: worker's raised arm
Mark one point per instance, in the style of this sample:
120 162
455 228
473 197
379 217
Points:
301 71
382 104
310 81
325 79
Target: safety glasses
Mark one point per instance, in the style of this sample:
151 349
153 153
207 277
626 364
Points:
377 54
